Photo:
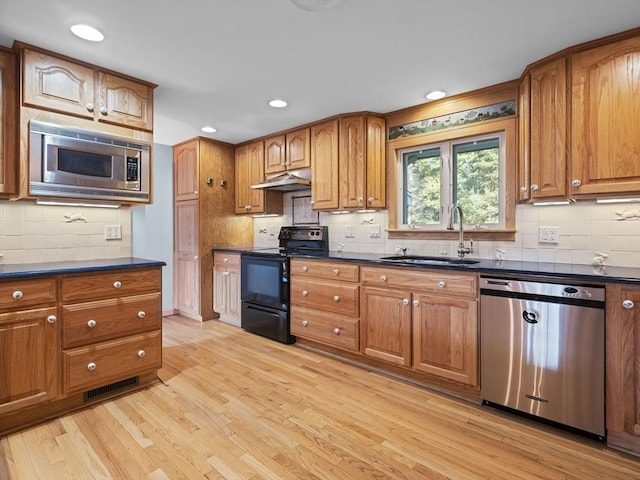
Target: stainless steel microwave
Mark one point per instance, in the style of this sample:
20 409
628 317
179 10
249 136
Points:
73 163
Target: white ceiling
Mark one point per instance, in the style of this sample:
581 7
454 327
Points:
218 62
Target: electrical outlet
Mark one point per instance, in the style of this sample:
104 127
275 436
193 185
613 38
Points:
374 232
112 232
549 235
349 231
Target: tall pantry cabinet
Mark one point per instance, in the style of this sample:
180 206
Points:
204 207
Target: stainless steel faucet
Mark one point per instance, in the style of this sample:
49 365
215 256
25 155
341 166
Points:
462 250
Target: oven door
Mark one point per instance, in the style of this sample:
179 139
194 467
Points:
264 280
266 322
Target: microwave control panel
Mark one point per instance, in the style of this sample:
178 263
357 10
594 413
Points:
133 174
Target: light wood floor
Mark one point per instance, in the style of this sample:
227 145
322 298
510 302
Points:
237 406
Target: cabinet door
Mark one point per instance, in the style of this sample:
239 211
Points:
386 325
298 149
605 119
623 367
185 171
8 123
548 136
524 140
186 296
445 338
376 187
233 294
125 102
243 185
249 170
324 165
30 367
353 172
274 155
220 294
55 84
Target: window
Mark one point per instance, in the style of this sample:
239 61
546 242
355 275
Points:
467 171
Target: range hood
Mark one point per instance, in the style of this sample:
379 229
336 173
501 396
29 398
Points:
287 181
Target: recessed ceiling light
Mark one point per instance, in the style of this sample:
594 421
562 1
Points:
435 95
208 129
278 103
87 33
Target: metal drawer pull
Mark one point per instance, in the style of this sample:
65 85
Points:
17 295
141 353
304 323
442 284
90 107
336 331
336 271
117 284
225 260
336 298
383 278
52 319
627 304
141 314
576 183
91 367
304 293
103 110
305 268
405 301
91 323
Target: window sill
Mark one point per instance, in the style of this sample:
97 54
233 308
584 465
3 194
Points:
423 234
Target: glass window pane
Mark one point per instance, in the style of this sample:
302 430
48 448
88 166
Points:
421 187
476 185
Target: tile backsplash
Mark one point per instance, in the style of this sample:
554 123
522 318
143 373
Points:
32 233
585 230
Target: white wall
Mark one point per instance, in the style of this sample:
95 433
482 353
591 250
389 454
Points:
152 225
585 228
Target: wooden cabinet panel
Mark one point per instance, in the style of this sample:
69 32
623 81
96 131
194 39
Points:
30 366
445 337
376 162
121 283
106 362
346 272
623 366
249 171
335 330
8 123
92 322
524 139
386 325
548 135
274 154
186 172
226 286
605 119
324 165
298 152
330 296
125 102
21 294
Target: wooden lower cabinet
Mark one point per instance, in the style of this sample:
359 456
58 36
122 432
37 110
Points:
623 367
226 287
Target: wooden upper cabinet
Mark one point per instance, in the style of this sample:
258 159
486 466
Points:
249 171
298 154
548 111
605 119
524 140
324 165
274 154
186 171
8 123
59 84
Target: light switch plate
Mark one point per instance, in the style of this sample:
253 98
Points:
375 231
549 235
112 232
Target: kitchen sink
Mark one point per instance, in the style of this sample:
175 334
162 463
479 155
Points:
422 260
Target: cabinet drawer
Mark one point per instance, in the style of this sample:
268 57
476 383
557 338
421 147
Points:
95 365
91 322
436 281
346 272
327 328
226 260
21 293
119 283
342 298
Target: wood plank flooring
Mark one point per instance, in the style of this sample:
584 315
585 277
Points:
236 406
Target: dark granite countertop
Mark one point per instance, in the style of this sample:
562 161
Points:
21 270
588 273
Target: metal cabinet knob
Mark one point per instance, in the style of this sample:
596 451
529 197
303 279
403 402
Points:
627 304
383 278
405 301
360 199
225 274
91 323
336 298
304 323
304 293
141 353
415 303
576 183
305 268
91 366
523 189
142 314
117 284
442 284
336 271
52 319
534 188
103 110
247 207
90 107
370 200
336 331
225 260
17 295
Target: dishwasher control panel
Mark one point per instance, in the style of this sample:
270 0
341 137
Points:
546 289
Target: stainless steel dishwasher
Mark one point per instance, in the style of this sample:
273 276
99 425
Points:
542 351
